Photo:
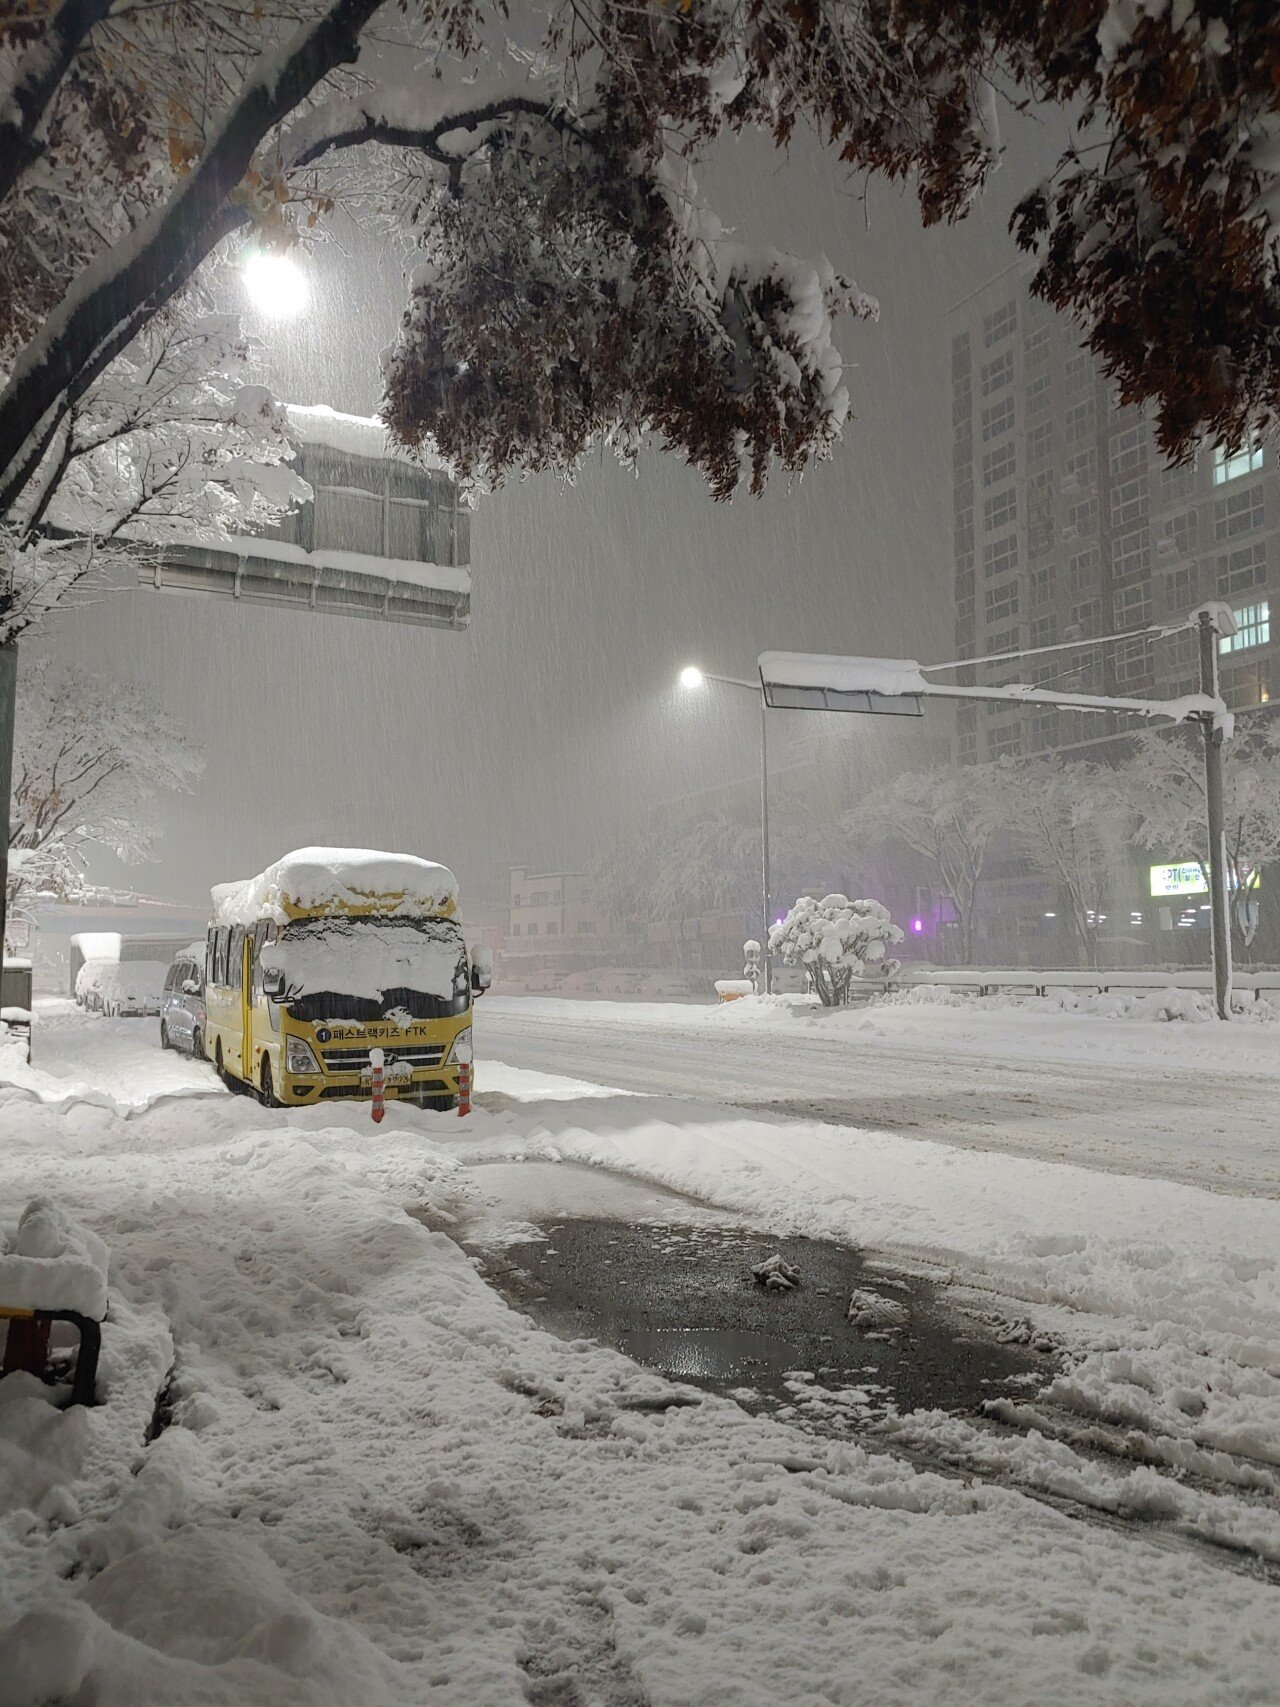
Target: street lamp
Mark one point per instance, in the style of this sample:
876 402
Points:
692 679
276 284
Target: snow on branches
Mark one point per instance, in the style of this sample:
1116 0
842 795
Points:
834 938
89 757
573 287
171 443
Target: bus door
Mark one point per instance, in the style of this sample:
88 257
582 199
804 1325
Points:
247 968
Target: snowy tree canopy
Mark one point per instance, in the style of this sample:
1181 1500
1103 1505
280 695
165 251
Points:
574 286
89 757
834 938
171 442
1162 788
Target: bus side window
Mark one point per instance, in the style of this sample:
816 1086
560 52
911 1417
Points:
224 936
210 952
235 958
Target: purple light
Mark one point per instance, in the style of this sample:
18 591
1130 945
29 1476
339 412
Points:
917 926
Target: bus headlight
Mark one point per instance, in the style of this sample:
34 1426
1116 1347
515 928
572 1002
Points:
460 1049
299 1056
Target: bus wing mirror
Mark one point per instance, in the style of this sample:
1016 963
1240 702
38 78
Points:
480 980
273 983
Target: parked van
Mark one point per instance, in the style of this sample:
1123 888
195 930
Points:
328 954
182 1016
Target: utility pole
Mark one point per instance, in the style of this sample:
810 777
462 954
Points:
8 719
764 841
1219 916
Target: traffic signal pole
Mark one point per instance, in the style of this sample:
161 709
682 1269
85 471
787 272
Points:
1214 735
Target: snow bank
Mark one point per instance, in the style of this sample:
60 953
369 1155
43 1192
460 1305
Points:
54 1264
322 879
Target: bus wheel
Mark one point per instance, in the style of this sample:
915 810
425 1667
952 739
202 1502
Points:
164 1035
197 1044
267 1096
219 1069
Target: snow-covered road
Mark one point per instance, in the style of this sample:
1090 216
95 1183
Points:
1173 1101
368 1479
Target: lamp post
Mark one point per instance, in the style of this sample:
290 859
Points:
691 679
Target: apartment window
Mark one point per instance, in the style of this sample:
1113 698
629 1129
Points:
586 927
1178 535
1082 518
995 375
1004 740
1078 421
515 930
1180 589
1131 554
1040 442
1179 482
1129 502
1000 464
1243 570
1133 605
531 930
959 352
1087 616
967 747
1038 392
1232 467
1077 370
1005 640
1080 469
962 458
1040 583
1044 630
1001 603
1038 340
1000 556
1253 628
1000 511
997 419
1132 663
1000 323
1043 730
1082 570
1238 512
553 929
1127 452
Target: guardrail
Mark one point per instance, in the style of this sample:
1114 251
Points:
988 981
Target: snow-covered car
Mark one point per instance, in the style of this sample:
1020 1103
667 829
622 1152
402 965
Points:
121 988
182 1011
664 987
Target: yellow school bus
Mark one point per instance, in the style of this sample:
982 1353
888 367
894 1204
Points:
328 954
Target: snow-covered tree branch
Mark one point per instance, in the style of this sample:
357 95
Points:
573 287
89 758
171 443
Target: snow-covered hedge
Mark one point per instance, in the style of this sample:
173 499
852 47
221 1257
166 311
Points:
834 938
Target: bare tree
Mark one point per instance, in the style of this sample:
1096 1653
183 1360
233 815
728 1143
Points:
1163 789
89 759
948 815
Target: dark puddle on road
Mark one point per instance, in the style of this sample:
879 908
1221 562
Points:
682 1300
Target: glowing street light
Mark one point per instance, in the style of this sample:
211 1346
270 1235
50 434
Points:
691 679
276 284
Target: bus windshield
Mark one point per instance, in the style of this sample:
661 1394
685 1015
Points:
373 968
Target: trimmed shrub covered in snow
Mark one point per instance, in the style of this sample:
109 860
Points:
834 938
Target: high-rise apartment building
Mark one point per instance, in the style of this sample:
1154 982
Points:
1070 525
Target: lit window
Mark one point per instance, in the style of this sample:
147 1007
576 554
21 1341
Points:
1253 628
1246 461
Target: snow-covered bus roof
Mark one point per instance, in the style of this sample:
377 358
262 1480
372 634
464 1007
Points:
313 881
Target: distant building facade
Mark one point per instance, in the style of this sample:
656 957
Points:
554 917
1069 525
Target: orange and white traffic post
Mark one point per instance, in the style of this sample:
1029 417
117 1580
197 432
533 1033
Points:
464 1087
378 1071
